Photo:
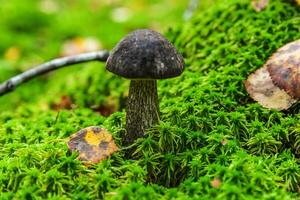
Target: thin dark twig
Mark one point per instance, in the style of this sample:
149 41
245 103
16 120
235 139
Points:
13 82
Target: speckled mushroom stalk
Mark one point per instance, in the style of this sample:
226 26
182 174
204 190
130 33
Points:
143 56
142 110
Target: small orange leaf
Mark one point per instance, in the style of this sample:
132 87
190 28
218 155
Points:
93 144
298 2
65 103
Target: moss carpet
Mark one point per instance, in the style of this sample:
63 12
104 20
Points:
213 142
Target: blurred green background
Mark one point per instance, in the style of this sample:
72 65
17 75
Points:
35 31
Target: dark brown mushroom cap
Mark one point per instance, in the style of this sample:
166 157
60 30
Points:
145 54
284 68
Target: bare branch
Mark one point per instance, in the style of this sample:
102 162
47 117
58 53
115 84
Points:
12 83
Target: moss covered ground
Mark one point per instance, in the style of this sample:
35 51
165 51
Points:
213 142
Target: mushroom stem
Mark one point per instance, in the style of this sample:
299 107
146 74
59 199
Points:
142 110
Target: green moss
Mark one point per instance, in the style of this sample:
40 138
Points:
210 129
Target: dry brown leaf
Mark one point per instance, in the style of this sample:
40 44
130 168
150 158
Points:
262 89
259 5
277 84
65 103
93 144
284 68
105 110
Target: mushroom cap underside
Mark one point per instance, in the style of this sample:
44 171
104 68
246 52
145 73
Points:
284 68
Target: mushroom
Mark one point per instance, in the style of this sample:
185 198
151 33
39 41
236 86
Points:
143 56
277 84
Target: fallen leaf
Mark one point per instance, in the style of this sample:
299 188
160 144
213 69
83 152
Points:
284 68
93 144
259 5
262 89
277 84
65 103
12 54
105 110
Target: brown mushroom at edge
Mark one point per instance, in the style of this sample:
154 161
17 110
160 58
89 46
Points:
277 84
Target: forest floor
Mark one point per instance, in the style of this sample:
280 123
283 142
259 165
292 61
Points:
213 141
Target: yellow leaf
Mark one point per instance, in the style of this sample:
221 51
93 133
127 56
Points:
93 144
12 54
93 138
